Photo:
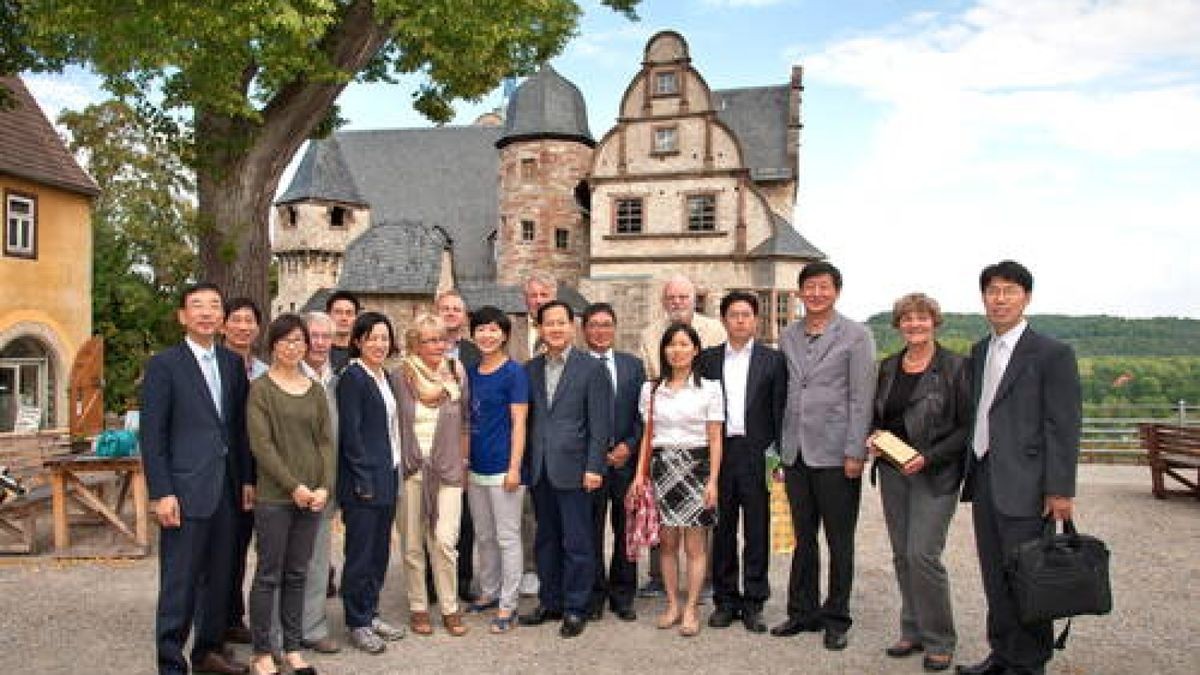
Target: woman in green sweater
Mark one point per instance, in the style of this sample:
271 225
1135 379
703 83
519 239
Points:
288 421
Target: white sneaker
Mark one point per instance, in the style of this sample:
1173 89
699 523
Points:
385 630
530 584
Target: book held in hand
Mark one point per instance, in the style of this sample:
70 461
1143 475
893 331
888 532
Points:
894 450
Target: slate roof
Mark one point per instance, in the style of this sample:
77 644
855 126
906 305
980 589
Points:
30 148
546 105
511 300
402 257
323 174
759 118
443 176
786 242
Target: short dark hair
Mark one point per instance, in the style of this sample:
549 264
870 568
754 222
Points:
282 326
243 302
491 314
343 295
598 308
1008 270
817 269
668 335
363 325
199 287
739 296
555 303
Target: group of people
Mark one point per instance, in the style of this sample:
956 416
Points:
450 431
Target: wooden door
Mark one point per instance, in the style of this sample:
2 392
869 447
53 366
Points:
87 389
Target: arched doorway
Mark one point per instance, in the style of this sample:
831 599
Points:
27 383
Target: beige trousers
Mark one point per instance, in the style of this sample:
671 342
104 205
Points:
442 542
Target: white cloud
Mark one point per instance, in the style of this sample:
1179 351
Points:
1051 131
743 3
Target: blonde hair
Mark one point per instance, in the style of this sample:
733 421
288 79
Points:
541 278
916 302
424 321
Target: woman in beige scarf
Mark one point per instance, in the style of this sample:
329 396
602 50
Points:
434 434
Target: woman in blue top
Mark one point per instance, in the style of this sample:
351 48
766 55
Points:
499 391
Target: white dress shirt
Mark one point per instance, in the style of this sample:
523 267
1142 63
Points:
681 417
610 361
999 353
737 375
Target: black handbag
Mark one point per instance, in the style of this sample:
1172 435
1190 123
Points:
1060 575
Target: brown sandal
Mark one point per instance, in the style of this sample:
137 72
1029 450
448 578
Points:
454 624
419 623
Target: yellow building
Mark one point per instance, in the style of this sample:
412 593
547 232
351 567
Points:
45 265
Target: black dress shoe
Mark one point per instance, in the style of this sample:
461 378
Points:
933 665
752 620
903 648
625 613
572 625
539 616
238 634
835 640
723 617
214 662
795 625
988 666
596 612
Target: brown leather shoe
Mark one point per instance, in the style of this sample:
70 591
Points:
419 623
325 645
214 662
454 624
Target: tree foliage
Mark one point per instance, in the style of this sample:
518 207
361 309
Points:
248 81
144 235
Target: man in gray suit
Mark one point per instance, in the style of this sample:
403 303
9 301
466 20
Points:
570 428
1022 456
830 388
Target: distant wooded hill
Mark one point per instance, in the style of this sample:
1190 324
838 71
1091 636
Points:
1120 360
1089 335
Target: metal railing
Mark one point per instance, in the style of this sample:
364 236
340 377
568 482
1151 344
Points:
1110 433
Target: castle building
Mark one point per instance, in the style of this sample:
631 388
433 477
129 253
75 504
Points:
690 180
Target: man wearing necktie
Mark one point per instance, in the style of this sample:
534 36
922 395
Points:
195 451
616 582
1021 457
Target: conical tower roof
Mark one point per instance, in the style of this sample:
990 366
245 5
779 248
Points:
546 105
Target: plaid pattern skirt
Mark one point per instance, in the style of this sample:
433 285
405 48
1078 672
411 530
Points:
679 476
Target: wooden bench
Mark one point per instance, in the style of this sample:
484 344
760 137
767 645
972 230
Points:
23 454
1171 450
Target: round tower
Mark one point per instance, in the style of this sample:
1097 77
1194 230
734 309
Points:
545 156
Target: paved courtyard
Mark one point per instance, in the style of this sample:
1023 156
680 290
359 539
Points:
97 616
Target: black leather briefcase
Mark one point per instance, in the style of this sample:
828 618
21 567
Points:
1060 575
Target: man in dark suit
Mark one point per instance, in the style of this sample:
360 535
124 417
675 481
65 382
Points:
626 374
754 379
569 431
1021 458
453 312
195 451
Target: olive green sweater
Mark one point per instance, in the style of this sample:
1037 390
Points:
290 439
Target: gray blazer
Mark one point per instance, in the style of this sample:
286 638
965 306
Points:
830 391
1034 425
569 435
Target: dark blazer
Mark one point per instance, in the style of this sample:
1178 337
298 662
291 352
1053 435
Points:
1034 424
627 422
766 390
937 417
187 448
569 435
366 468
468 353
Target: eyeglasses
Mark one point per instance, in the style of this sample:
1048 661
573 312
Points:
1008 292
433 340
293 342
601 324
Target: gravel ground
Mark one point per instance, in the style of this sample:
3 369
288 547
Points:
98 616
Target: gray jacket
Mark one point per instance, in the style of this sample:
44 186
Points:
830 390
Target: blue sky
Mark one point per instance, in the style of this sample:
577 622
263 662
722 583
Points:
939 136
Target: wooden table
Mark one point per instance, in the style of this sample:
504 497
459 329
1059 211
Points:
74 477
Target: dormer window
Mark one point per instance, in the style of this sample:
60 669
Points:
666 83
338 216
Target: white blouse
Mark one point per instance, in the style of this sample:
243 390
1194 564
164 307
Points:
681 417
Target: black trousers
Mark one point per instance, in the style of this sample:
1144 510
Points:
285 534
367 550
563 546
1018 646
741 495
243 530
615 582
194 564
825 498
